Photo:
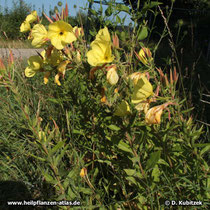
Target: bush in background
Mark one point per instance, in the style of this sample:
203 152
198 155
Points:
11 19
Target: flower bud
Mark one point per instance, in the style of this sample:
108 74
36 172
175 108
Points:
83 172
145 55
112 76
78 57
42 136
153 116
103 95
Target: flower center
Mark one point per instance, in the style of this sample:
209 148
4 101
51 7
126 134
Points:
61 33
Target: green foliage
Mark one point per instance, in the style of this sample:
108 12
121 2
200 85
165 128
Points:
11 20
184 4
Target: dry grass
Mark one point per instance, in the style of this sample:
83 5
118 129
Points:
16 44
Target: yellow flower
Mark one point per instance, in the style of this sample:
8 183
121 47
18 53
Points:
112 76
61 33
123 109
154 114
142 90
32 17
39 35
101 53
136 76
103 35
34 65
145 55
25 26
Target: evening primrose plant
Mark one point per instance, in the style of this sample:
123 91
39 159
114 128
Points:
99 121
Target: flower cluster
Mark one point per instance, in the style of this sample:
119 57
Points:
54 40
60 54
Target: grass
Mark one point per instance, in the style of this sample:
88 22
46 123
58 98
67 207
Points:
15 44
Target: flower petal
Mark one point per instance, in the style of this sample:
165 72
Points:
29 72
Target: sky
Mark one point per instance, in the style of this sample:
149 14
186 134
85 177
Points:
50 4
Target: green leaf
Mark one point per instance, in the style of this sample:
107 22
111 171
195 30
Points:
202 145
118 19
49 178
130 172
108 11
156 174
26 108
56 147
92 33
60 156
124 147
114 127
77 132
154 3
187 110
131 179
123 8
135 160
142 33
122 36
108 162
108 23
163 162
71 174
152 161
205 149
142 200
38 158
93 11
150 5
86 191
71 194
61 197
53 100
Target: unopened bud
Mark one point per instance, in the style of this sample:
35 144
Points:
83 172
145 55
112 76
